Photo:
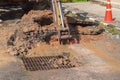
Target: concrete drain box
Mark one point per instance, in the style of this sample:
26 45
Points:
46 63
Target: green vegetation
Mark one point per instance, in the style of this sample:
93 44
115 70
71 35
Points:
75 0
80 0
112 29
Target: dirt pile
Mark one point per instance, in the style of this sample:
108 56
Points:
34 27
37 27
35 19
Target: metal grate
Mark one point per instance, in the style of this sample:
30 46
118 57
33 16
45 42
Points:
43 63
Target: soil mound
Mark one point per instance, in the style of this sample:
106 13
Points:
37 27
34 27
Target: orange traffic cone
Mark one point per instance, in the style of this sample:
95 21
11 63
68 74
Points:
108 14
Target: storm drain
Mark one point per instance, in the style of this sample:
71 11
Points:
46 63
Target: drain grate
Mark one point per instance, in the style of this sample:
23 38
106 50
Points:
44 63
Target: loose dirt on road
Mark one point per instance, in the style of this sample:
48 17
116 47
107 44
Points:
115 63
93 64
90 42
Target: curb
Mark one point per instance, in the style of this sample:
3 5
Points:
114 4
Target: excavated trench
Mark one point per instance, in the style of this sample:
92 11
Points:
44 21
37 27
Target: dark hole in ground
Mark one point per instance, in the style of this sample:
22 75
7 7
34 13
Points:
44 21
12 14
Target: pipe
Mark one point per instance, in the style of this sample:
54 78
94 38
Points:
54 11
61 13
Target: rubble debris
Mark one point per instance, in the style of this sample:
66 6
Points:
37 27
34 27
90 30
12 38
64 59
84 27
75 21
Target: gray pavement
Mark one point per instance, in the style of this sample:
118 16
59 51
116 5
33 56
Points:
93 68
115 3
95 10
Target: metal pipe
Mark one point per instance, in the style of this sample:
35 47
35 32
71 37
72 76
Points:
61 13
54 11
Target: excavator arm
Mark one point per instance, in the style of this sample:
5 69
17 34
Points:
62 27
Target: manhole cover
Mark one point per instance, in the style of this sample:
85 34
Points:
46 63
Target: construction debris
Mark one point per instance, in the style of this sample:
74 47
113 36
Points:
37 27
90 30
